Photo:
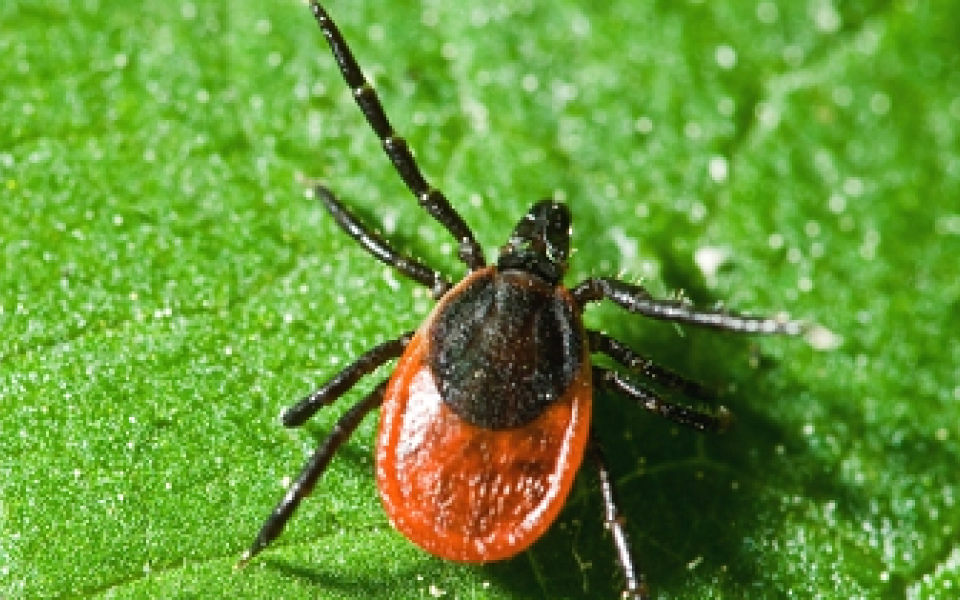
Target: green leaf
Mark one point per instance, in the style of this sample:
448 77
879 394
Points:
168 288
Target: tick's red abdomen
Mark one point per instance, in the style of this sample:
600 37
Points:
467 493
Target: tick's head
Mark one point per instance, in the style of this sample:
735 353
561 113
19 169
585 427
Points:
540 242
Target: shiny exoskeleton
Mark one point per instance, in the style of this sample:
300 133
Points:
486 418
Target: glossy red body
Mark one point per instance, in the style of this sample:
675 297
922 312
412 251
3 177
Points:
467 493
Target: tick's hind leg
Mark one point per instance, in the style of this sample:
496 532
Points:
341 383
626 356
380 248
430 198
648 399
311 472
636 587
346 424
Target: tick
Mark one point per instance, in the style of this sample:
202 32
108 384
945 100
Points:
485 421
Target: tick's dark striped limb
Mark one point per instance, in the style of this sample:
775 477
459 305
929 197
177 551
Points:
637 299
665 378
341 383
380 248
626 356
396 148
636 586
649 400
311 472
485 419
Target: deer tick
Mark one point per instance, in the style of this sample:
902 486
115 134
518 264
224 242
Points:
486 418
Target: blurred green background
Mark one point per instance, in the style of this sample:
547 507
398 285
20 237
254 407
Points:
167 288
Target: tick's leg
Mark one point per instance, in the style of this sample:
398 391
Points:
430 198
380 248
311 472
345 379
637 299
626 356
636 587
682 415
